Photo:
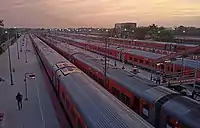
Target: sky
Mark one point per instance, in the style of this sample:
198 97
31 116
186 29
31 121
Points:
99 13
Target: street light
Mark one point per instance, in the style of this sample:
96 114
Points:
32 76
105 70
26 53
17 43
10 66
123 53
184 34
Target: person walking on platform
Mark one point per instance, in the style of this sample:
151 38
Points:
1 79
19 98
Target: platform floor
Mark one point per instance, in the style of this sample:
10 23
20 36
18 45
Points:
38 110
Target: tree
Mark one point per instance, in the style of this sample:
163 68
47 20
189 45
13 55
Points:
165 35
141 32
153 31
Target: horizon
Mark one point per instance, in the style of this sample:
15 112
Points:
99 13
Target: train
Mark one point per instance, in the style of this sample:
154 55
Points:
160 106
86 103
166 46
142 59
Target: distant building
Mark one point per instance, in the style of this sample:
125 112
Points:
124 29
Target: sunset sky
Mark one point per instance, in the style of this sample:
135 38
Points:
98 13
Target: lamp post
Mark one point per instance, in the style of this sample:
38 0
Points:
26 53
182 71
152 72
21 45
123 53
184 34
105 68
105 59
17 42
31 75
10 66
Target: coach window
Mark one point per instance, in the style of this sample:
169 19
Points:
123 97
127 100
100 81
63 95
67 103
73 114
135 59
94 76
80 124
171 69
168 68
162 67
117 93
113 90
141 61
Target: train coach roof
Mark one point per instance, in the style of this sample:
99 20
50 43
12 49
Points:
173 43
76 40
97 106
144 53
50 54
188 63
131 51
138 52
154 94
135 84
185 109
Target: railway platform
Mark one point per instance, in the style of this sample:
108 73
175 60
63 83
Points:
38 110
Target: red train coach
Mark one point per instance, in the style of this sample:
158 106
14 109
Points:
168 46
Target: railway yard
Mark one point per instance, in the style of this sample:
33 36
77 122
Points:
101 82
132 88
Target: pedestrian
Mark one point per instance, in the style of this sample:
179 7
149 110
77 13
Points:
1 79
19 98
13 69
159 80
115 64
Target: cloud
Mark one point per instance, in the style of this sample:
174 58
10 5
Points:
104 13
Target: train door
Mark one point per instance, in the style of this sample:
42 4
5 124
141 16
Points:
122 56
58 86
136 104
173 48
168 47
